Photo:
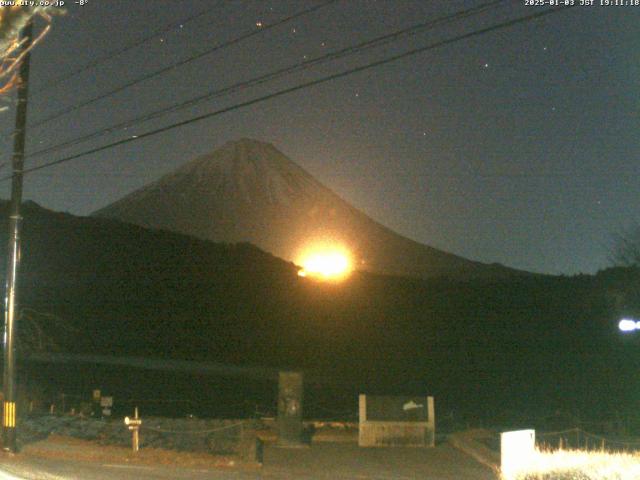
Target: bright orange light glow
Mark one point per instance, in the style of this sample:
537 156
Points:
327 263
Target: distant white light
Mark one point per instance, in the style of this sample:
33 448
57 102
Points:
628 325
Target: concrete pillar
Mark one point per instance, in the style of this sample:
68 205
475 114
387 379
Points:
362 407
290 409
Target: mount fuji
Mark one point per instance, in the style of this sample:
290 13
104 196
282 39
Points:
248 191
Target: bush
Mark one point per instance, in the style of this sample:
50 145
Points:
579 465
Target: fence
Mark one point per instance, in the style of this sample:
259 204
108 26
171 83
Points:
577 438
236 437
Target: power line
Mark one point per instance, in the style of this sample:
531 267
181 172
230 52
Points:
300 66
94 63
499 26
181 63
300 87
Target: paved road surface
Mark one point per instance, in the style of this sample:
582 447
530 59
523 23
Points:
323 461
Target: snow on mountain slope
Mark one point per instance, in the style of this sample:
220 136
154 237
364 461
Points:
248 191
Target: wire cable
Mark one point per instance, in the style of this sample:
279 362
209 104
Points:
178 64
98 61
415 51
299 66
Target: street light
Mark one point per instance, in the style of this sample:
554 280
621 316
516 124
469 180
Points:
628 325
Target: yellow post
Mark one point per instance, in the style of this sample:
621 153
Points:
136 437
9 417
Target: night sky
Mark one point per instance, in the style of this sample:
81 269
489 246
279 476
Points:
519 146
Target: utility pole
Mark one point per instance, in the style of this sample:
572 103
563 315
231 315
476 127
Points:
13 261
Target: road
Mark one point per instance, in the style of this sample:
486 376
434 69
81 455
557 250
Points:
334 461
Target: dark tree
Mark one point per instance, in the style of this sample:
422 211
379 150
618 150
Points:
626 248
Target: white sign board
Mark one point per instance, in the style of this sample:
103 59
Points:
106 402
517 450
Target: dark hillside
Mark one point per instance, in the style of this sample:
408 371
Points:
526 345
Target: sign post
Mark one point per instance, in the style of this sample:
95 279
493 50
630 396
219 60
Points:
134 425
